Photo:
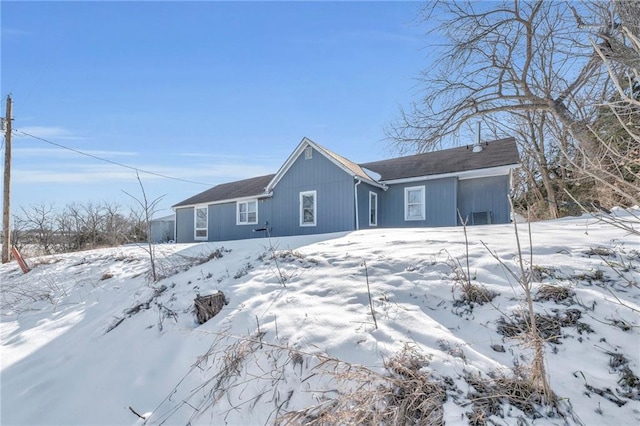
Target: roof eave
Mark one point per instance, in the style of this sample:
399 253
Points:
225 201
465 174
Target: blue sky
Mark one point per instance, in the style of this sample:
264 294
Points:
203 91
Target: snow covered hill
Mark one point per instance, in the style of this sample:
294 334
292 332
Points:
86 338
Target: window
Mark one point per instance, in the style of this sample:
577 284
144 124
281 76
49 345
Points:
247 212
373 209
414 203
201 219
308 208
308 153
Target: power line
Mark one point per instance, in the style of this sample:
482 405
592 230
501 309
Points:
111 161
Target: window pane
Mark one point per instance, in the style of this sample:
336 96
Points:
242 207
308 216
415 196
243 217
307 201
201 218
252 206
415 210
201 233
251 217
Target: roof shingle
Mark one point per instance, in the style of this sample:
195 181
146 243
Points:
503 152
229 191
497 153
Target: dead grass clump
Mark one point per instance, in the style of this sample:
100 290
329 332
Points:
540 273
600 252
472 294
556 293
476 294
592 277
405 395
492 393
629 382
549 327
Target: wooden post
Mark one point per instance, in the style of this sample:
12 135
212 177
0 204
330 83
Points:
18 257
6 229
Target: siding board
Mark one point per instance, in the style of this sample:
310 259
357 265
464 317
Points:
485 194
184 225
440 204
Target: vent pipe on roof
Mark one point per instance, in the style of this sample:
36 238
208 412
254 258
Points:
476 146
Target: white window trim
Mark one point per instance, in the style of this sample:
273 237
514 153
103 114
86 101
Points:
238 222
195 223
315 208
375 223
406 203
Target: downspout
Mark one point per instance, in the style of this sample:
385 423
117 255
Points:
355 197
175 226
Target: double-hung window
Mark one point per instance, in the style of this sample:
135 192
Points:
414 203
201 222
247 212
308 208
373 209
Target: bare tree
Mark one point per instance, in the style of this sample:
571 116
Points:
148 209
114 224
530 68
615 167
503 59
39 219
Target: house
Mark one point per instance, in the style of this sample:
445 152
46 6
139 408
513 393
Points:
318 191
162 229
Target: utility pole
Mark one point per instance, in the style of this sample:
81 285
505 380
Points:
6 230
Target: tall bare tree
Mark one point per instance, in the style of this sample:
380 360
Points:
534 68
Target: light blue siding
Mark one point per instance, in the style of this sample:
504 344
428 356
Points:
485 194
335 205
184 225
440 204
162 231
334 197
335 200
363 205
222 223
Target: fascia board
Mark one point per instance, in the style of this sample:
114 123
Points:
298 151
467 174
229 200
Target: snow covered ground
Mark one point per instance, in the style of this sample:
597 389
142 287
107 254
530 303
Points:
86 338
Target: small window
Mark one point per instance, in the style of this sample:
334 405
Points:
373 209
308 153
201 223
308 208
247 212
414 203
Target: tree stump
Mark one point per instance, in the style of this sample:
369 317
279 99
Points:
209 306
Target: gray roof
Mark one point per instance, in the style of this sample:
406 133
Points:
354 168
497 153
252 187
503 152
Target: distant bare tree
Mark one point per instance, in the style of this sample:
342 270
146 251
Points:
115 225
40 220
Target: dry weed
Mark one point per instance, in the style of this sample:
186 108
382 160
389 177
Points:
556 293
405 395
